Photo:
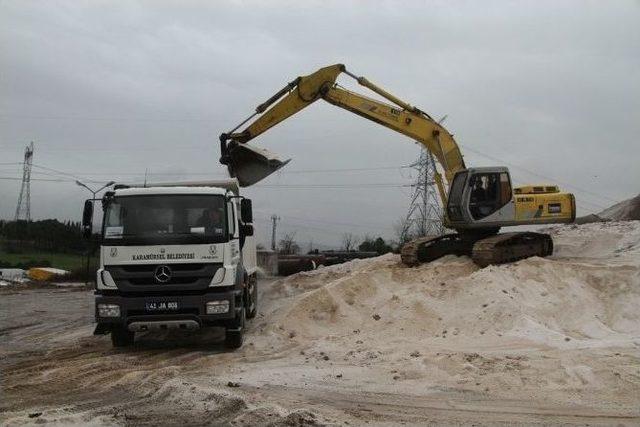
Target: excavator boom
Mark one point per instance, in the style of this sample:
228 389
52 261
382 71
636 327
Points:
250 164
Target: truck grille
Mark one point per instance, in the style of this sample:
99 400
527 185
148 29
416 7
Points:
136 277
151 268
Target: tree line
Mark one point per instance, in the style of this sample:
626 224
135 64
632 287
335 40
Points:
49 235
350 242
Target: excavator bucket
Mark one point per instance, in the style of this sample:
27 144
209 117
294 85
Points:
251 164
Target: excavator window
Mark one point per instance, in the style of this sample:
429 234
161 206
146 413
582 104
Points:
489 192
506 193
455 196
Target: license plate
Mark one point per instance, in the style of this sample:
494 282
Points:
161 305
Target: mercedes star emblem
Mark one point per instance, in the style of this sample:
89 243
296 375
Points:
162 274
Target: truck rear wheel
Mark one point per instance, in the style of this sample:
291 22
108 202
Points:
121 337
234 336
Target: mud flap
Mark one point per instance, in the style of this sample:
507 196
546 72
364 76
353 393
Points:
251 164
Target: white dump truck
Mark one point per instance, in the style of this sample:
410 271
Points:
174 256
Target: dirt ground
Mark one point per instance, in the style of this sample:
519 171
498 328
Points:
537 342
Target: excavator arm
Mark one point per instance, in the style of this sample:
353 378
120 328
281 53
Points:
250 165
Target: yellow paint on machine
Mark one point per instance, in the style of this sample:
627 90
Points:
545 207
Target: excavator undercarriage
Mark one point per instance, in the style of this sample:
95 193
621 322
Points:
495 249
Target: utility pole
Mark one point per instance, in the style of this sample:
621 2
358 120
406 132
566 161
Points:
424 217
93 198
23 210
274 222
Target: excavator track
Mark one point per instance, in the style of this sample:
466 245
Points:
510 247
497 249
427 249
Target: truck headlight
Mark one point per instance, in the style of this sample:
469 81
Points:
217 307
218 277
106 279
108 310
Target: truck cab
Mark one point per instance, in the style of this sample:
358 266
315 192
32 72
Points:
175 256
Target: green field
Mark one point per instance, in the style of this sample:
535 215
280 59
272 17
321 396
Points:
57 260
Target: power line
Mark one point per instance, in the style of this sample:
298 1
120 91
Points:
580 202
319 186
305 226
188 174
11 178
338 170
58 172
294 171
537 174
117 149
333 186
68 180
346 224
110 119
311 186
347 169
584 191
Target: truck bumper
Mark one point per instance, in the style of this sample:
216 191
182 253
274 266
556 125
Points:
191 312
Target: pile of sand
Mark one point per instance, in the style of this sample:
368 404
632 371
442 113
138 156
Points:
627 210
539 300
536 327
624 211
541 341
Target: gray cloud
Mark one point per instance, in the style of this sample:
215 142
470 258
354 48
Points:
109 89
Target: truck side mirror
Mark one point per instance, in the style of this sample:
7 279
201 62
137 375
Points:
246 230
87 219
246 211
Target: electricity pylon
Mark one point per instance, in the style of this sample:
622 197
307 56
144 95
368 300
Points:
424 217
23 210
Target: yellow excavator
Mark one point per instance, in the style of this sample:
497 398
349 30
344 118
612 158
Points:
479 201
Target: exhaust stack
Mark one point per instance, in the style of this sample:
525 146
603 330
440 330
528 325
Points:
249 164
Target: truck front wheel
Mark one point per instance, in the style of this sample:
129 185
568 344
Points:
234 336
121 337
252 299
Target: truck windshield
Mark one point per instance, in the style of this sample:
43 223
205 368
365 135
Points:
166 218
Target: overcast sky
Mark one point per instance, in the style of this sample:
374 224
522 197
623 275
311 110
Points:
109 89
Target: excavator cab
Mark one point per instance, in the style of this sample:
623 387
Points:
490 191
249 164
480 196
